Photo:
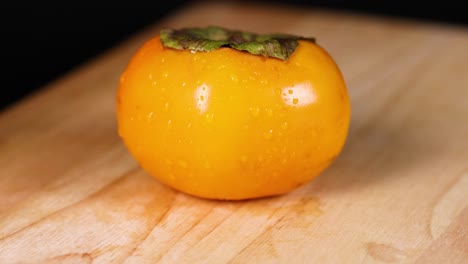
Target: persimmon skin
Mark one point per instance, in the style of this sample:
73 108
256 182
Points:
231 125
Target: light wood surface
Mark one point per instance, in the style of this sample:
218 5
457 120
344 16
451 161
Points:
398 193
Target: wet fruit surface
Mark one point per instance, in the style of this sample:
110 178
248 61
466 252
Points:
226 124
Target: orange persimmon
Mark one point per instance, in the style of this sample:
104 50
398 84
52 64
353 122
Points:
228 124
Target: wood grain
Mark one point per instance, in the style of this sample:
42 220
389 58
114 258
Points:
398 193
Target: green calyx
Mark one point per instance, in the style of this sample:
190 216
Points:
280 46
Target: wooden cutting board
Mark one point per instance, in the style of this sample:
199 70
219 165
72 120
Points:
398 193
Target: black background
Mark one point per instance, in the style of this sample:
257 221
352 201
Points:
39 44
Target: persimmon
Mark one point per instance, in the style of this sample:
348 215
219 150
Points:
211 116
